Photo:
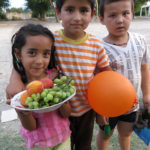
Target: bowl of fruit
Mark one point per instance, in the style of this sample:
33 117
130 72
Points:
44 95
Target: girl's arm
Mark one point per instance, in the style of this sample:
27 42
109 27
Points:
145 84
15 84
27 120
65 110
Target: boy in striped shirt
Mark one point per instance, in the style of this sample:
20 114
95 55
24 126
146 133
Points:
78 55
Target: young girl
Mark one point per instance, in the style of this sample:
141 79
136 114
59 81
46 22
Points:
33 58
129 55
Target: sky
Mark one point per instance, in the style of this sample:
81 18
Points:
17 3
20 3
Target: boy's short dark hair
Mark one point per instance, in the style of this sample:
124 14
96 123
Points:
104 2
59 4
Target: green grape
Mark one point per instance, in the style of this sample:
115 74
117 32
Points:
68 94
64 95
71 90
56 100
36 99
58 81
45 90
43 94
29 99
33 96
35 104
73 87
56 88
52 92
46 105
71 82
49 96
31 106
46 99
36 107
59 94
38 95
63 78
63 85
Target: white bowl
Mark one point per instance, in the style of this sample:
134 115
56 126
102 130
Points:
15 103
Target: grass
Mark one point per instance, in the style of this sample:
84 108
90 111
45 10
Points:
136 143
11 140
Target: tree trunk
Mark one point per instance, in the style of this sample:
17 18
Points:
51 4
97 10
42 16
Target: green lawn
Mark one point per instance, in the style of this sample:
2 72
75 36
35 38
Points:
11 140
136 143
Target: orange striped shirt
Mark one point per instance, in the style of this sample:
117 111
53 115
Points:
78 59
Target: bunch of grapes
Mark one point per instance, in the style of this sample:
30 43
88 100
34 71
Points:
63 89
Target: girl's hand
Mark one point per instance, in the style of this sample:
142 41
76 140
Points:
65 109
101 120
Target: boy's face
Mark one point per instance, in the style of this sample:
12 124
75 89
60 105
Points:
75 16
117 17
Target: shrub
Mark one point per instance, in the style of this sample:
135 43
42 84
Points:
2 15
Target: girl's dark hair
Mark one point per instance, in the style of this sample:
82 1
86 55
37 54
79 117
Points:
104 2
19 40
59 4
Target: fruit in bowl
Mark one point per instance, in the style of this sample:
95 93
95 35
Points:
35 87
44 94
47 83
23 99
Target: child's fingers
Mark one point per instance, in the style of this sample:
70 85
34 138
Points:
101 120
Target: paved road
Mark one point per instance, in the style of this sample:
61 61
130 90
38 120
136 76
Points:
8 28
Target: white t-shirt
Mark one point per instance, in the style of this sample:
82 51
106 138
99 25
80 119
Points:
128 60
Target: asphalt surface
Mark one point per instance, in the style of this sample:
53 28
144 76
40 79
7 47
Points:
8 28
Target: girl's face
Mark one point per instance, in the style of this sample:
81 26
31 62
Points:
75 16
117 17
35 56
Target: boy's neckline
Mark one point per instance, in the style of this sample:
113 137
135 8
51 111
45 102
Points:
123 44
71 41
123 48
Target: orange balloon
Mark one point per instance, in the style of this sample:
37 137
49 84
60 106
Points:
111 94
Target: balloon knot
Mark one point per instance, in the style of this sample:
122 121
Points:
136 101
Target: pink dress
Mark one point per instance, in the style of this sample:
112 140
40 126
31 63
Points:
52 130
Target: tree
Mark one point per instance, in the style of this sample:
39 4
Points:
4 3
137 4
38 7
